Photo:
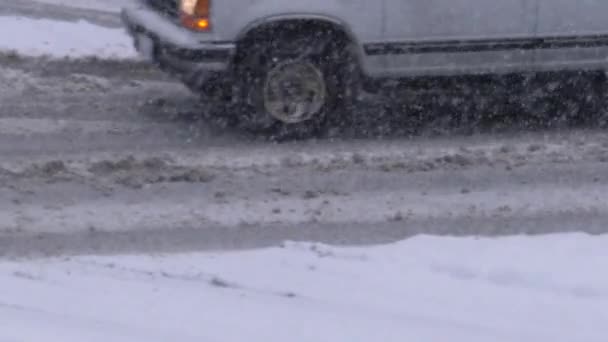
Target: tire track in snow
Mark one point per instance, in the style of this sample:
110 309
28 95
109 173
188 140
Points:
98 165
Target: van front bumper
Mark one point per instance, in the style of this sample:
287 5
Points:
173 48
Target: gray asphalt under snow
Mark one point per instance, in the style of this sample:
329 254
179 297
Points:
107 158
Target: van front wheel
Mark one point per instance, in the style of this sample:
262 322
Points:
291 84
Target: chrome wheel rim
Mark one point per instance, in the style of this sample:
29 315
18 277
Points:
294 92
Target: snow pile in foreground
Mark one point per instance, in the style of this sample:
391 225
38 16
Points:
425 289
44 37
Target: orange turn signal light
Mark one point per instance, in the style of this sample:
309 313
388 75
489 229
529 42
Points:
203 24
194 23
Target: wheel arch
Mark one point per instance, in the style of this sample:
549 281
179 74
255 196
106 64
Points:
296 20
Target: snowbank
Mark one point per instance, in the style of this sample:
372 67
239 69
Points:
40 37
105 5
424 289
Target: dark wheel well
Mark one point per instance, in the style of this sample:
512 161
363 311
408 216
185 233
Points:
274 32
324 44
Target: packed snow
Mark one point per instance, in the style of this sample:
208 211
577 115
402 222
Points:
105 5
46 37
549 288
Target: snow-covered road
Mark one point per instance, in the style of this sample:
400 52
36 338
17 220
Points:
522 289
113 160
125 215
112 156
